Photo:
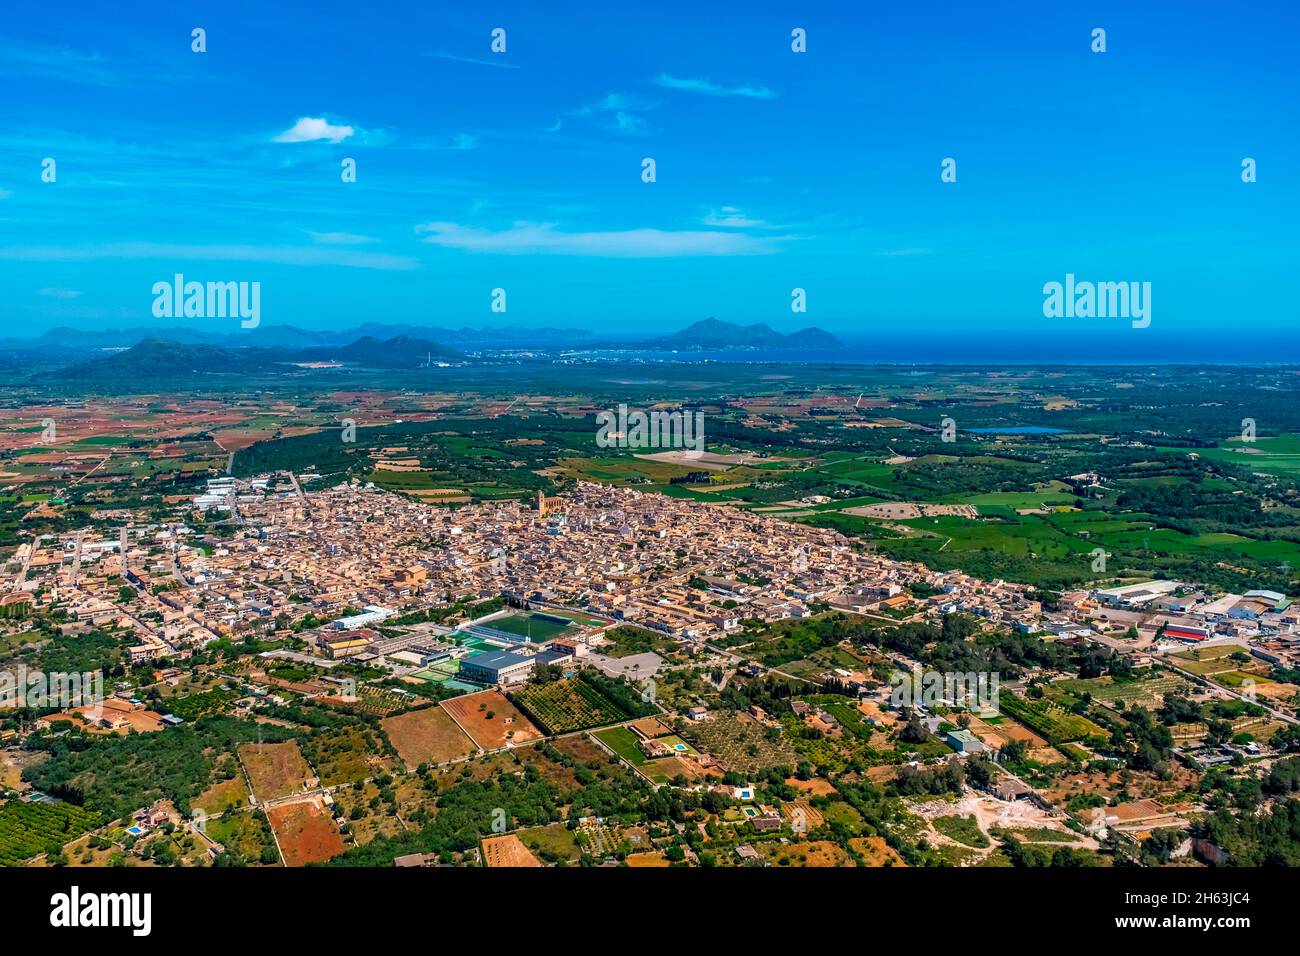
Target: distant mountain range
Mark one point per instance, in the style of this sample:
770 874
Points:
162 358
293 337
715 334
179 352
708 334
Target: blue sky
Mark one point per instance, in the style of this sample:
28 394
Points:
775 170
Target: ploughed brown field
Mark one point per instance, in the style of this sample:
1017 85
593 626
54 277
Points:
306 833
507 850
427 736
491 720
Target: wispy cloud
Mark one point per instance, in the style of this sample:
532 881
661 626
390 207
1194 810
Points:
531 238
621 111
729 217
61 63
180 253
58 293
501 63
310 129
340 238
709 88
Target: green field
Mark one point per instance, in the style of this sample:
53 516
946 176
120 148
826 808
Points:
30 829
624 743
1051 720
566 705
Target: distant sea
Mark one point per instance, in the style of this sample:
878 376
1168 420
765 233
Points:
1075 345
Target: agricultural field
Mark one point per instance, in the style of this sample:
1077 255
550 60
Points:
814 853
742 744
378 701
367 814
555 843
490 720
1146 692
223 795
194 706
428 736
566 705
306 832
1051 720
507 850
1208 661
345 755
247 835
874 851
30 829
275 770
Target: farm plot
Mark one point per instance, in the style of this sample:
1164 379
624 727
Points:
247 835
275 770
1106 690
1208 661
491 720
566 705
306 833
743 744
223 795
818 853
552 844
507 850
427 736
379 701
30 829
1051 720
344 755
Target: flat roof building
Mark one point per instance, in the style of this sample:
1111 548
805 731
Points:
497 667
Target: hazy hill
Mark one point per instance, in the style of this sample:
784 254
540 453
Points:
716 334
162 358
402 351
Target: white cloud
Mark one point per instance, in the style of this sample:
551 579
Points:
310 129
179 254
532 238
628 122
729 217
59 293
622 109
709 88
340 238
